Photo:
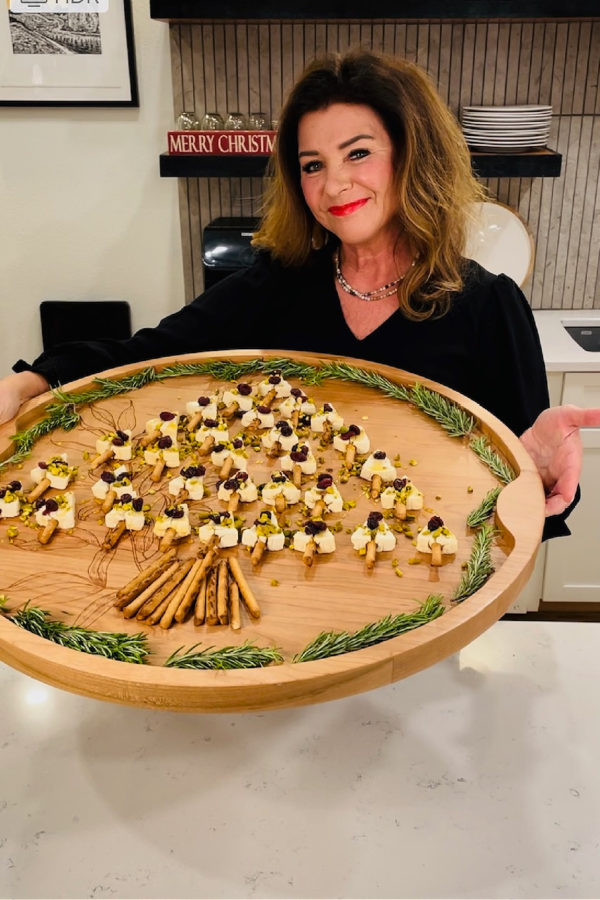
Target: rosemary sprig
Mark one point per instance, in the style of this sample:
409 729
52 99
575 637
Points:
131 648
482 448
221 369
451 417
334 643
479 567
246 656
485 508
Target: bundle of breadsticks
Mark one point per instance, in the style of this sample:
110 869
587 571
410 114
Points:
167 591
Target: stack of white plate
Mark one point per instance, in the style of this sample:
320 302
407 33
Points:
506 129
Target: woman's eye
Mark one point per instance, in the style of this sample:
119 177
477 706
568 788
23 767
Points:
358 153
313 166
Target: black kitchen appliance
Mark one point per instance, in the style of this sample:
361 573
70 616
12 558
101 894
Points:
226 247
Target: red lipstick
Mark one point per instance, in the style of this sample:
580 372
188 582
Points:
347 208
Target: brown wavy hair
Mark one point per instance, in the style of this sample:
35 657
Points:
434 183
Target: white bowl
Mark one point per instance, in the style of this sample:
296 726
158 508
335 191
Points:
499 240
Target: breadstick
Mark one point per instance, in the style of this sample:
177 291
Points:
211 599
158 470
327 432
222 592
247 595
309 553
182 496
318 509
163 597
370 557
190 567
100 460
400 510
226 468
350 454
157 614
295 418
200 607
375 486
47 531
148 439
275 449
436 554
297 475
199 577
280 502
258 552
109 500
167 539
234 606
135 604
206 446
194 421
144 578
234 502
38 490
230 411
114 535
268 398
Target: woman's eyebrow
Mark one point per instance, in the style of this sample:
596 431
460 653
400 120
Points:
342 146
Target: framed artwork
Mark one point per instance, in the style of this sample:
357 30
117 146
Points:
66 58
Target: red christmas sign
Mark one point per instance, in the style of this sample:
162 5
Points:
221 143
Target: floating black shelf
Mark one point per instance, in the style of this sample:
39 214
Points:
198 10
537 164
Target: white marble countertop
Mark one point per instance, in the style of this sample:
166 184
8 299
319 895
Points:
561 352
478 777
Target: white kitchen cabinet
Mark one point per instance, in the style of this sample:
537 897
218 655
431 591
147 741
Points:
572 571
529 598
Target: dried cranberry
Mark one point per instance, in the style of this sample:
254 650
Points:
244 389
374 519
296 392
230 485
3 493
166 416
170 512
165 442
138 504
379 454
239 414
200 470
281 423
118 442
298 456
108 477
218 448
242 476
51 505
123 435
327 407
286 430
15 486
345 435
39 503
203 401
279 477
354 429
275 379
210 423
238 445
304 421
400 483
434 523
324 481
42 465
263 410
314 527
125 498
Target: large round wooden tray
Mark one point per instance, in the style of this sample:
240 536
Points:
75 580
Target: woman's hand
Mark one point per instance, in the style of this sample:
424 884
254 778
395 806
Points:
554 444
16 389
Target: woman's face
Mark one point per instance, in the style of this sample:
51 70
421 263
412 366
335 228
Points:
346 172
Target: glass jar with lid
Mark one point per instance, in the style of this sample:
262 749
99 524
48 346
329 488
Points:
257 121
187 121
212 121
235 121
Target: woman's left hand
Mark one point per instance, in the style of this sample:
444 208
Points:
554 444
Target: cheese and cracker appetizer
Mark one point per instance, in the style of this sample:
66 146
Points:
112 485
126 514
258 417
377 468
11 497
115 444
402 496
436 539
299 461
264 535
173 524
163 425
324 497
326 421
280 492
372 537
163 453
314 538
295 406
56 512
280 439
56 473
351 441
274 387
211 432
238 399
238 489
199 410
220 526
229 455
189 484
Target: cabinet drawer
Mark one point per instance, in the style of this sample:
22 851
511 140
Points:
583 389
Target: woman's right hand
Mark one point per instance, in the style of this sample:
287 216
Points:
16 389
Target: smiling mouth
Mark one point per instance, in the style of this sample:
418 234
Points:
347 208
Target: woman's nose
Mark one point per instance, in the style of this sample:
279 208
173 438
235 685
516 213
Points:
337 180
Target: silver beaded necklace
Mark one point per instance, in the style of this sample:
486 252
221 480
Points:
386 290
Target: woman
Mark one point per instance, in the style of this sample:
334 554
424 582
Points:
361 255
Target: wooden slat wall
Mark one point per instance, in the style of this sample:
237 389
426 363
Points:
250 66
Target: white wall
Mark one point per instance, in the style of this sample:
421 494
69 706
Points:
84 214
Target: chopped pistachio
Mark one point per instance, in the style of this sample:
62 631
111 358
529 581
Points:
274 582
412 462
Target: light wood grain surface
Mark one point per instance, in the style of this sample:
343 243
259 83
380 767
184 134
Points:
76 580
